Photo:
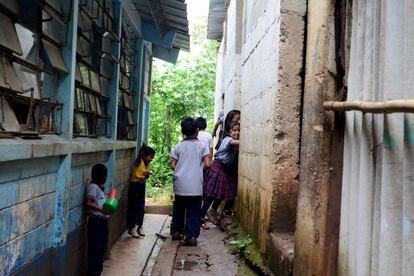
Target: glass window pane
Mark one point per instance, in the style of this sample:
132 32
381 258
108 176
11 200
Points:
8 35
85 75
29 80
126 101
54 14
95 82
98 106
78 75
84 22
104 86
106 67
50 28
130 120
54 56
8 75
81 124
10 122
87 103
11 5
79 99
83 47
56 4
92 103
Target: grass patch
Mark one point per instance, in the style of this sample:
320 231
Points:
160 195
240 243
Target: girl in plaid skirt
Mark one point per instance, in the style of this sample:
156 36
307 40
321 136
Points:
220 182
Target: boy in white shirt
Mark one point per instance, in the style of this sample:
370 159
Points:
204 137
188 159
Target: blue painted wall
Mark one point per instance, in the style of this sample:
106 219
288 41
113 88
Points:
42 182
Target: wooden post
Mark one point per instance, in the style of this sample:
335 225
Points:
320 180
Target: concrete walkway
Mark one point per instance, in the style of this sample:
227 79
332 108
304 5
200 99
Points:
130 256
210 257
154 255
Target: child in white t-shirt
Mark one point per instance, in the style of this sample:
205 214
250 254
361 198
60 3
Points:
204 137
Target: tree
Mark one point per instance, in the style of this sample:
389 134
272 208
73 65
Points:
178 91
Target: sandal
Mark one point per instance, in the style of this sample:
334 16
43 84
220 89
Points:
205 226
214 217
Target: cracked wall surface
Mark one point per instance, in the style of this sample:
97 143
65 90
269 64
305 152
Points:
267 74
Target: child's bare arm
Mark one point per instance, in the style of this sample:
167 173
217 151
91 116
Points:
207 162
235 143
90 203
173 163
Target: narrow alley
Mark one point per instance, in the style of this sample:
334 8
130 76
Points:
158 255
206 137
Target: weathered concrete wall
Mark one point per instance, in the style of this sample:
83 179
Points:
377 215
27 193
271 61
231 56
28 212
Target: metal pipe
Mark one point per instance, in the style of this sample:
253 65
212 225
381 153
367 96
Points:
391 106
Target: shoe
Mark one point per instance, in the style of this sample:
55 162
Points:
214 217
140 231
133 233
190 242
176 236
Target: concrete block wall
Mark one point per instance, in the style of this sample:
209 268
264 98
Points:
124 161
271 61
28 211
231 50
259 51
27 198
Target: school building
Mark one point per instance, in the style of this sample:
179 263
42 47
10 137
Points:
75 85
325 167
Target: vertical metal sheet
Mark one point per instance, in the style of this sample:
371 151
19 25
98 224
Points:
377 236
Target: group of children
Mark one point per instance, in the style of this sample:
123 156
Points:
198 183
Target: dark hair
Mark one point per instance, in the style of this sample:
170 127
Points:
230 126
99 172
148 151
189 126
202 123
144 151
229 118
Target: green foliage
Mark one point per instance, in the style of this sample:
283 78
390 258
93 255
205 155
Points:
178 91
241 245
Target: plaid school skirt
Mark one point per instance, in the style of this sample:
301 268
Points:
220 182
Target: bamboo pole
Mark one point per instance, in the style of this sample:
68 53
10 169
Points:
391 106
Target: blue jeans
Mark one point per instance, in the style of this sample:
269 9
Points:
187 211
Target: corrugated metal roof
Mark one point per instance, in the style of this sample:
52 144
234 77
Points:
168 15
216 16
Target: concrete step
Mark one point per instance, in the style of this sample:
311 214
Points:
281 252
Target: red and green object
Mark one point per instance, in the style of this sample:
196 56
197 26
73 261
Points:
111 204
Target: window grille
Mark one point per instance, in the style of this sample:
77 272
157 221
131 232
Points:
126 122
31 64
95 65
